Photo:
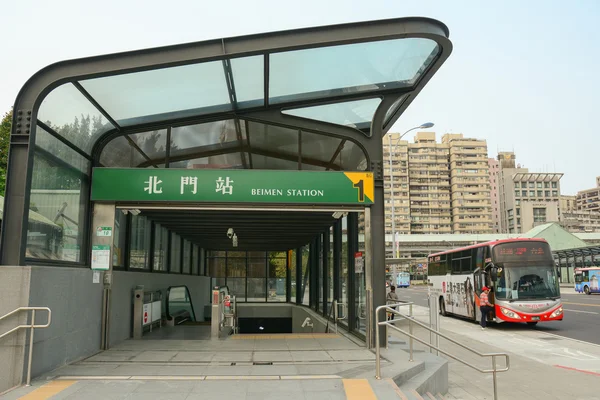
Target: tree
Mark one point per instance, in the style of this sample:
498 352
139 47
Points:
5 126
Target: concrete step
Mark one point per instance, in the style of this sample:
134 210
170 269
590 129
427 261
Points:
456 393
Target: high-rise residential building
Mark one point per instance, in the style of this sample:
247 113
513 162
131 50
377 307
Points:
589 199
429 184
396 189
470 184
436 187
526 199
494 169
568 203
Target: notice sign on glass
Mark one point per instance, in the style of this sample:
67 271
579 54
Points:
232 186
101 257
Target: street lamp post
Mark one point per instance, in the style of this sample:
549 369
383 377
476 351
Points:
392 148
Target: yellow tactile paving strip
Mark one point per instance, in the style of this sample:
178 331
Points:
358 389
286 336
48 390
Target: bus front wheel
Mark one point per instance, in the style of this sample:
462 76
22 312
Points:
442 307
586 290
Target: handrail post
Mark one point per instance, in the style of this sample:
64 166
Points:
410 330
30 348
494 377
377 351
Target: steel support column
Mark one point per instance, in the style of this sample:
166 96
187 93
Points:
299 275
325 286
352 248
337 260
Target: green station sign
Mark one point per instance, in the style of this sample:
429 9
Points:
231 186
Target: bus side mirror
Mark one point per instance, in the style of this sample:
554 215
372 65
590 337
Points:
494 274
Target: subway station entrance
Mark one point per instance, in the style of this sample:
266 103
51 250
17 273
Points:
268 238
251 163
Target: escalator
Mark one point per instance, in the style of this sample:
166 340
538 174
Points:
180 308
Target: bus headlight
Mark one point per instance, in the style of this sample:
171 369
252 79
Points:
557 312
509 313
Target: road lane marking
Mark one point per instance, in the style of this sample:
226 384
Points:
585 312
578 370
582 304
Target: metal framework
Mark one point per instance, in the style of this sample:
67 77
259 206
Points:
395 96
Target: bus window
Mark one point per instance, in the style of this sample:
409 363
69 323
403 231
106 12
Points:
456 266
479 258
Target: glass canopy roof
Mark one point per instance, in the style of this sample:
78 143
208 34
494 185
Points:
341 84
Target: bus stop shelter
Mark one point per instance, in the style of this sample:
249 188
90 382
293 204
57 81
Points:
318 99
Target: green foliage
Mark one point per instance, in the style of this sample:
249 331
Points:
5 126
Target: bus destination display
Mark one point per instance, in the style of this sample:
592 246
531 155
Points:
518 251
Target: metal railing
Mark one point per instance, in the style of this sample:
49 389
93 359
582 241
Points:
411 320
31 326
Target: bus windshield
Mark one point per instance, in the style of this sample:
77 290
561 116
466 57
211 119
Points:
527 282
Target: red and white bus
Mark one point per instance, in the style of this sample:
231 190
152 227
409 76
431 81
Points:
520 272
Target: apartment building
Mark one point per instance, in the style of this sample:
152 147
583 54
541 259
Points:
436 187
526 199
568 203
580 221
429 185
589 199
494 169
470 184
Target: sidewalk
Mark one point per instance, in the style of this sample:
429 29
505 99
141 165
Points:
533 356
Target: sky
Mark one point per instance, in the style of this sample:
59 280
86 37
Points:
523 75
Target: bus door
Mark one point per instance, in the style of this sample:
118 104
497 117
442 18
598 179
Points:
479 278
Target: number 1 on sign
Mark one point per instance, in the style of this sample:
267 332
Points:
360 185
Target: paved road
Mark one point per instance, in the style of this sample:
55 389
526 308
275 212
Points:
581 321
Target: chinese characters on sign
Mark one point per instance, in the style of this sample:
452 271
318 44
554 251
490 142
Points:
189 181
224 186
152 187
232 186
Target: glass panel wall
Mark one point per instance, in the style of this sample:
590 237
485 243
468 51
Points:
305 283
119 239
236 277
161 243
187 257
319 271
195 259
139 251
277 276
360 284
330 269
175 259
343 275
292 271
257 277
217 267
57 223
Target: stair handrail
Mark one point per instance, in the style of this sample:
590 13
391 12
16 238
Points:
31 326
411 320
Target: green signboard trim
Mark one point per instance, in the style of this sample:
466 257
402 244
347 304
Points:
232 186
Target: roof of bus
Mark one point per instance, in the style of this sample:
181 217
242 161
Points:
491 243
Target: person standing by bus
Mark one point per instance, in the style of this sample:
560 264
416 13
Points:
484 305
392 298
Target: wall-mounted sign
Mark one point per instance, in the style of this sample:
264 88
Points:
105 231
232 186
101 257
